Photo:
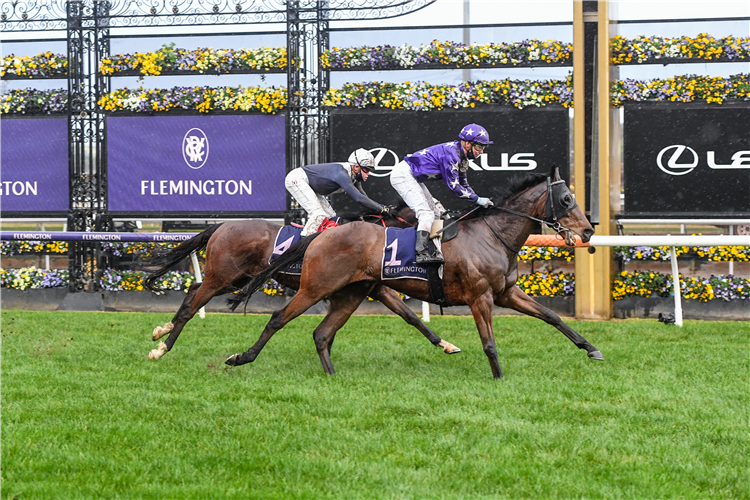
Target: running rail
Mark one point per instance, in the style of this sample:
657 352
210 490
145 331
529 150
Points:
651 241
109 237
533 240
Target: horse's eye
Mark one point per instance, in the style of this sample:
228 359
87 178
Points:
566 200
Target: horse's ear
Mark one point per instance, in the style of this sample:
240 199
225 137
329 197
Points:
555 173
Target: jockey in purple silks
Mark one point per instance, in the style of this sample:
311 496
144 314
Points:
448 161
310 185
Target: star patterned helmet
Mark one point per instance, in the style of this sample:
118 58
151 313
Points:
475 133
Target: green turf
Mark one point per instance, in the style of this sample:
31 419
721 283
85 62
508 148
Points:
85 414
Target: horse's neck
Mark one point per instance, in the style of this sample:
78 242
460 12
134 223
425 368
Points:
514 227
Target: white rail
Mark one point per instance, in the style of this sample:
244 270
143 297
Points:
719 240
672 241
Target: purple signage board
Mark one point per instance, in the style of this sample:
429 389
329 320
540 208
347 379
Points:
189 164
34 160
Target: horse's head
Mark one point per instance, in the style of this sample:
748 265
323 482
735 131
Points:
562 213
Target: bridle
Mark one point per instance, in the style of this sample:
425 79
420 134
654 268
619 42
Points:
559 203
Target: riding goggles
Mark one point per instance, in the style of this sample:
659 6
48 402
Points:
478 146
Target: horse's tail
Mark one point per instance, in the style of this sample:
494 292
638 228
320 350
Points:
294 254
177 254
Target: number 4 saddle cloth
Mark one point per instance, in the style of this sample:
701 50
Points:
288 236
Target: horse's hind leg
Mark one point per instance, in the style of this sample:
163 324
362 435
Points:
515 298
342 305
199 294
298 305
390 299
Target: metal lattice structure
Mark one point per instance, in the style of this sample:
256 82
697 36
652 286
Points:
88 24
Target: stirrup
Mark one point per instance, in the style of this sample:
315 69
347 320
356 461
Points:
428 259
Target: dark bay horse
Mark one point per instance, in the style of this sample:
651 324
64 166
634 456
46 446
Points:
480 266
237 250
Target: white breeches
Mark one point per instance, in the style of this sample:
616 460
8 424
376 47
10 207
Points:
415 194
316 205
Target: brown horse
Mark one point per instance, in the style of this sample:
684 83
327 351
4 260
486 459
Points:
237 250
480 266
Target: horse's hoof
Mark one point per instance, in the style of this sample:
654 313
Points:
448 348
158 352
232 360
596 355
159 331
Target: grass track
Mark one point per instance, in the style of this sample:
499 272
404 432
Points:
86 415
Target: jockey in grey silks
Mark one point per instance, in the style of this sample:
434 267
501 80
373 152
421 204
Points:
310 185
449 161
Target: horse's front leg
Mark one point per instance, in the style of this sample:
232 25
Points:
481 309
515 298
390 299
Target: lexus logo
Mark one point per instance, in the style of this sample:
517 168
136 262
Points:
380 154
672 167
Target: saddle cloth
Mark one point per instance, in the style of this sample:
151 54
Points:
288 236
399 256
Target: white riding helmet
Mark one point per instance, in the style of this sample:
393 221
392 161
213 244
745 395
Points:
363 158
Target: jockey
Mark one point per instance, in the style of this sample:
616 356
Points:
310 184
449 161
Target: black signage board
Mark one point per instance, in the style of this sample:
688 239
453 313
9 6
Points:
525 140
687 160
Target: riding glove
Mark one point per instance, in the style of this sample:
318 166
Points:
485 202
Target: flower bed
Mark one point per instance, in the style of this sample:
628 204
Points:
546 253
44 65
31 277
34 102
547 284
448 54
17 247
648 284
115 281
169 59
626 284
643 49
685 88
202 99
422 96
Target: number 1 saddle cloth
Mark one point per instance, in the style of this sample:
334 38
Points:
399 255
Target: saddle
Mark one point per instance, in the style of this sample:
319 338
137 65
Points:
444 229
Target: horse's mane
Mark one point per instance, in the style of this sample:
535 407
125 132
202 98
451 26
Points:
515 185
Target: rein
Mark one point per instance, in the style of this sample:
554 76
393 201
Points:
550 220
498 236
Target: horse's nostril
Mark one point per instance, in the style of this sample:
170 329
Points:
588 233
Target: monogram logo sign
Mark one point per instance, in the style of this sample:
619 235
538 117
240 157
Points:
237 163
195 148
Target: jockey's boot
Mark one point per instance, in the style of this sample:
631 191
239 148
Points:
422 248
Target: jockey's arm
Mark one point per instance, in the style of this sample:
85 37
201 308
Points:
455 179
359 196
